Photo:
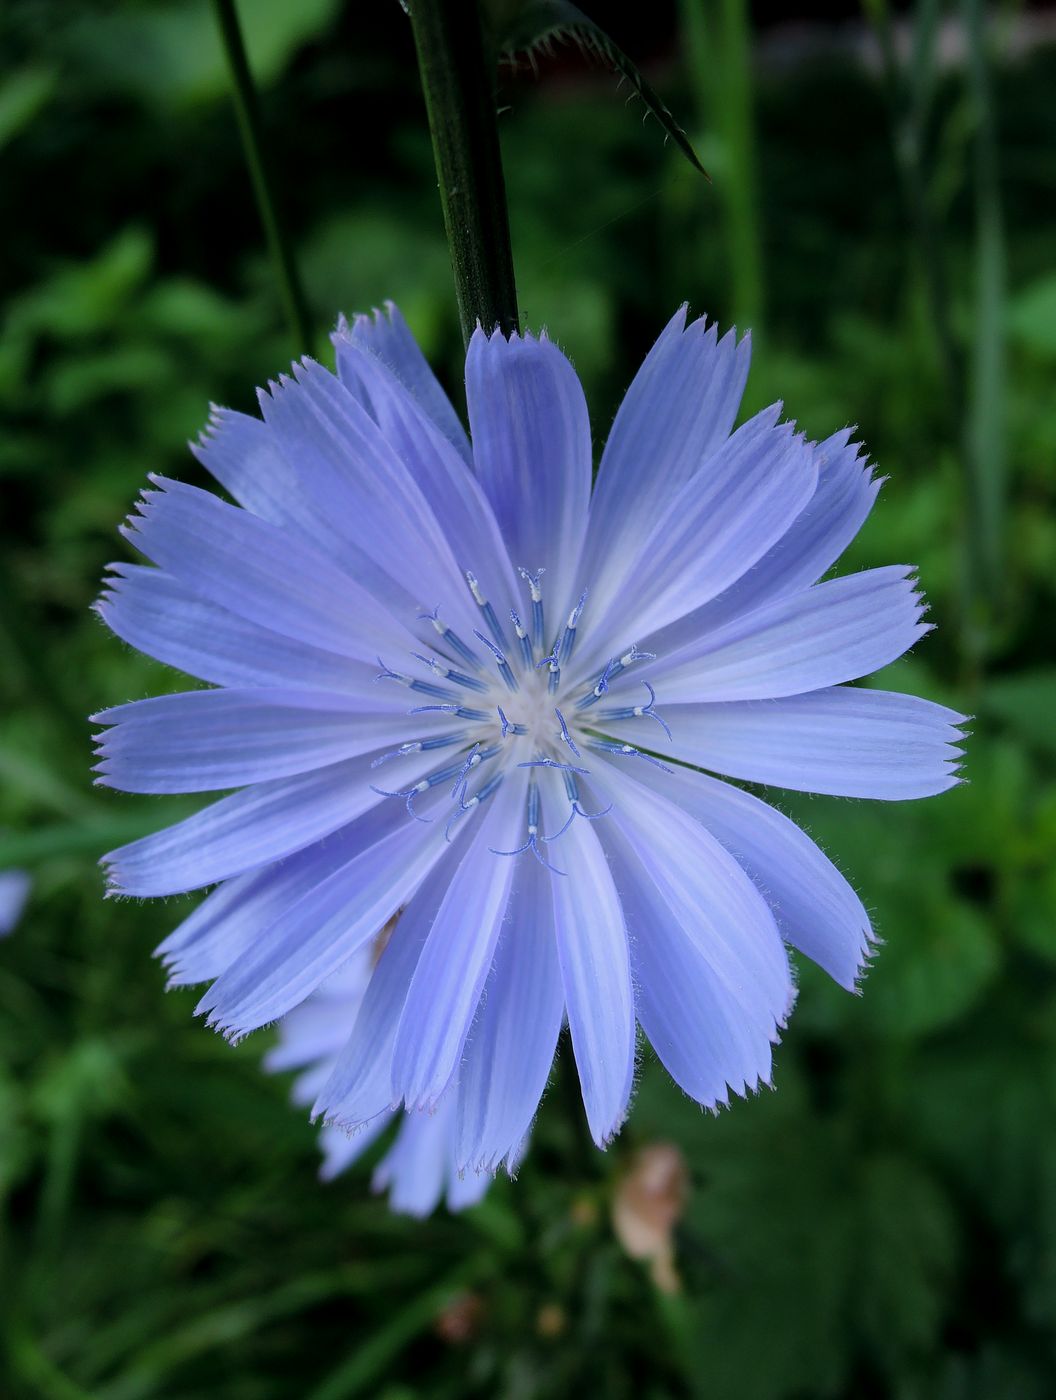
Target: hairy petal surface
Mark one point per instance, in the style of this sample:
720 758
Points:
161 617
511 1046
387 337
816 910
845 741
206 740
823 636
679 409
596 973
715 528
260 572
531 448
445 989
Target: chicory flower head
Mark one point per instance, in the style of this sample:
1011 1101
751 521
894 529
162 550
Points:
453 680
419 1168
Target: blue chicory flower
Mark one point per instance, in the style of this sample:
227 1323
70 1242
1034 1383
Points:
419 1168
453 680
14 891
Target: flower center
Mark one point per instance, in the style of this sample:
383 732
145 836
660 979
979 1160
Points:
513 697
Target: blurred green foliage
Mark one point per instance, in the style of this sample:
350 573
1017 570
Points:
884 1224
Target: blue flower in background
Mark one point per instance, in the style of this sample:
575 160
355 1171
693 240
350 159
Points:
454 684
14 891
419 1168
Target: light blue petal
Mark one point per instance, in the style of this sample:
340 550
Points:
511 1047
453 492
531 448
415 1169
340 1149
289 959
596 974
360 1084
696 1026
387 336
265 822
160 616
813 542
825 635
708 893
397 547
207 740
445 989
260 572
230 920
679 409
846 741
816 909
14 891
315 1032
714 529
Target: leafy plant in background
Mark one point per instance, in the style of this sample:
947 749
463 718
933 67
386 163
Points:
129 1136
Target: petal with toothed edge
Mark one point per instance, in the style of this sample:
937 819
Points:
311 940
263 823
708 893
847 741
825 635
816 910
398 548
261 572
531 448
417 1167
511 1047
453 492
445 989
340 1150
207 740
595 972
360 1083
314 1033
678 410
230 920
161 617
387 336
817 537
715 528
696 1026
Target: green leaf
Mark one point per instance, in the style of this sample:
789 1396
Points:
537 23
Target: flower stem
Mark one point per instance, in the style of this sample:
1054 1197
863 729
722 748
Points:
247 109
460 103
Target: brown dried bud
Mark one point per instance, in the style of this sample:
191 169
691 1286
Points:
647 1206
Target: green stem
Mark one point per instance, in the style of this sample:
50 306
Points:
460 103
247 109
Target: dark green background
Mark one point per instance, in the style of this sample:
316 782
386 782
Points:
884 1225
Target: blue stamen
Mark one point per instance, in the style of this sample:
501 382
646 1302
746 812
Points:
527 653
532 843
489 612
419 746
460 710
500 656
627 751
565 735
553 763
535 590
639 711
481 795
459 677
452 639
568 641
613 669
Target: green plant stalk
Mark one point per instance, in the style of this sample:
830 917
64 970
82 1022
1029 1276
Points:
718 40
985 426
247 110
460 103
